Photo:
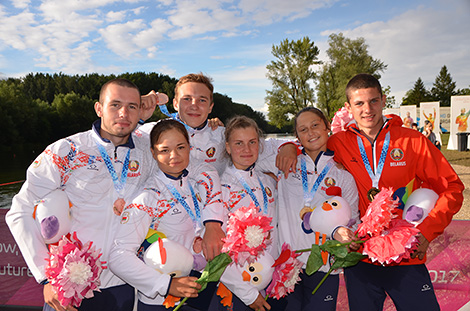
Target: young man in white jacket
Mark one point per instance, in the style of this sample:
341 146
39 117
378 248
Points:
83 166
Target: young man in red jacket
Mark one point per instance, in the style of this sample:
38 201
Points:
380 153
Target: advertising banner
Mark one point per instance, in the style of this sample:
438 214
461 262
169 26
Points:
17 285
430 112
408 115
459 112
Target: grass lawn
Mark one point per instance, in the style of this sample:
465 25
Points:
454 156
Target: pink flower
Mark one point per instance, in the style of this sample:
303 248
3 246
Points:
247 234
73 270
340 120
394 244
286 273
378 214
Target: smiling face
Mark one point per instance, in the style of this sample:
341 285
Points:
243 147
171 152
193 102
119 111
365 105
312 133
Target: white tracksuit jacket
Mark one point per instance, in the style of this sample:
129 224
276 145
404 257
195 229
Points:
235 196
291 201
156 208
76 165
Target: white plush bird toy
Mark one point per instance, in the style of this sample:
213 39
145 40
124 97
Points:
332 213
419 204
258 274
167 256
53 216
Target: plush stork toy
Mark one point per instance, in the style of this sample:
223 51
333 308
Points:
53 216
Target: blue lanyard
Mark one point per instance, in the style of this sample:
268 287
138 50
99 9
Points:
252 195
308 195
375 177
195 218
119 183
174 116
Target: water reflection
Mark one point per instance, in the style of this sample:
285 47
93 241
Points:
7 193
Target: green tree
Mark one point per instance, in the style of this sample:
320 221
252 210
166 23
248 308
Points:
292 77
391 102
443 87
464 91
347 57
75 113
417 94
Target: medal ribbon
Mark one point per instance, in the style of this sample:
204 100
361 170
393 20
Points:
174 116
252 195
119 183
375 177
196 218
308 195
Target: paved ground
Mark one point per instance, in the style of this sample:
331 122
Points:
464 174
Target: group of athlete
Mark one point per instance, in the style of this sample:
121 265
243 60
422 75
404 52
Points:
182 176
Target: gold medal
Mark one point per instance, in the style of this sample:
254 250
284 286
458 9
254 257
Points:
372 193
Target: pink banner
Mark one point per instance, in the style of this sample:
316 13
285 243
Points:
448 264
17 285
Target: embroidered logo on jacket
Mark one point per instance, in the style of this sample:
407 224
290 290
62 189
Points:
210 152
396 154
329 182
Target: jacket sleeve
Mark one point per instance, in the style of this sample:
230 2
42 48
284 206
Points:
210 190
232 279
351 195
123 261
436 172
42 177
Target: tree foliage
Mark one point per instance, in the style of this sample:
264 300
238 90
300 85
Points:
443 87
40 108
347 57
292 78
417 94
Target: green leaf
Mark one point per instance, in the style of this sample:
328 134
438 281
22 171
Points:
315 261
214 269
335 248
350 260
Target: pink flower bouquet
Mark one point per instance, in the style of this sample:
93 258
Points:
388 239
287 269
73 270
340 120
247 234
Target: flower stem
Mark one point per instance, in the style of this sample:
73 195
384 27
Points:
322 280
303 250
181 304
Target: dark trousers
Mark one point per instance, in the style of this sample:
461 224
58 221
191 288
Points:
409 287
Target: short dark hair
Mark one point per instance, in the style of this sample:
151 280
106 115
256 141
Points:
362 81
314 110
119 81
164 125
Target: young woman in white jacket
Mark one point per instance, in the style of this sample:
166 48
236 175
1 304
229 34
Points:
177 200
243 184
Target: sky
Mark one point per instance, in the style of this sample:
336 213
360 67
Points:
230 40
